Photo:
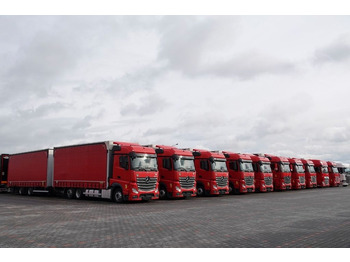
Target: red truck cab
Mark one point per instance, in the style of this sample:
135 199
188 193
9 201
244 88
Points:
212 175
4 162
321 168
310 173
177 174
334 176
298 173
241 173
282 179
262 173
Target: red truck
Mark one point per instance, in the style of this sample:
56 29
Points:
310 173
262 173
241 173
115 170
334 176
4 160
298 173
281 172
211 171
177 174
321 168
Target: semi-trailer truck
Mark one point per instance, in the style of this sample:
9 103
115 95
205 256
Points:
241 173
262 173
298 173
281 172
334 176
177 174
310 173
321 168
211 172
115 170
4 160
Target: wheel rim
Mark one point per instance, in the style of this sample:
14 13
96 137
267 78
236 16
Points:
162 193
200 191
78 193
70 193
118 196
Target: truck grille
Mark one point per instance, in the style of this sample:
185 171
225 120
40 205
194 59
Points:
268 180
302 179
146 183
187 182
249 180
287 179
326 180
222 181
313 179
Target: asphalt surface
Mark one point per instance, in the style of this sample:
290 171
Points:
303 218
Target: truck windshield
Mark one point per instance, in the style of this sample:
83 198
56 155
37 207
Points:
311 169
299 169
184 164
265 167
284 167
325 169
246 166
335 170
144 162
219 166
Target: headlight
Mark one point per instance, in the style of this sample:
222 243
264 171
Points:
215 187
178 189
135 191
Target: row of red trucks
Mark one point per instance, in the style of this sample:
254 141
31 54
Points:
123 171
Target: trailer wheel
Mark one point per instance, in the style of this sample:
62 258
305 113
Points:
200 191
70 193
30 191
79 193
118 195
22 191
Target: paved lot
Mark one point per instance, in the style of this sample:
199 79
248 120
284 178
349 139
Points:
307 218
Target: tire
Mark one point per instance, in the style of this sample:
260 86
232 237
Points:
230 189
163 194
200 191
30 191
70 193
79 193
23 191
118 195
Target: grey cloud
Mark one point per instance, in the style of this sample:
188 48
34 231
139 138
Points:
188 45
338 51
250 65
185 39
149 104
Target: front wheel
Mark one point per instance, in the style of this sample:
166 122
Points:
162 192
200 191
118 195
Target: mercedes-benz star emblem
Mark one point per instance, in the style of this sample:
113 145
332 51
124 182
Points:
187 179
147 179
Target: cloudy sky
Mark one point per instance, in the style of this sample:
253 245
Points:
274 84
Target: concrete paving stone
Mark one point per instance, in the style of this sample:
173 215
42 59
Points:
303 218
